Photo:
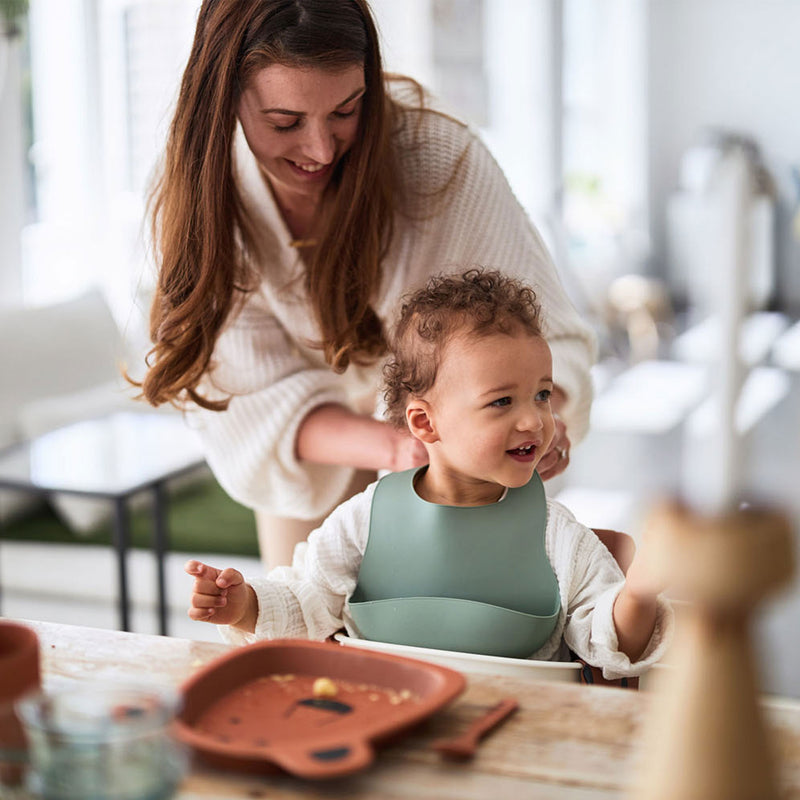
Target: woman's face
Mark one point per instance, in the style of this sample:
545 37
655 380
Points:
299 122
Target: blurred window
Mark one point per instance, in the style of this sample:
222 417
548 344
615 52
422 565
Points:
604 138
555 87
104 74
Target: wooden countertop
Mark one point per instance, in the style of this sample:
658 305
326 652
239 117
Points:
566 741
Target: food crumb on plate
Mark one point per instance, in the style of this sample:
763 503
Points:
279 678
324 687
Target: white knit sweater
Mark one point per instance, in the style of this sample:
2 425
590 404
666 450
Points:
310 598
262 356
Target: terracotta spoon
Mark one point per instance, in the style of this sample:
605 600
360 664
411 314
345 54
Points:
464 745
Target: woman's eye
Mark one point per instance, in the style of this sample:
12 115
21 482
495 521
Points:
285 128
342 114
543 396
500 402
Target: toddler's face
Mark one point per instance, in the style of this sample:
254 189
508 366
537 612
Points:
490 407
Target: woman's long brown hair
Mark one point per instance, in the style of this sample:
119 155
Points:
200 229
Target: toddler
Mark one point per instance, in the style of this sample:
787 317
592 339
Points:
465 553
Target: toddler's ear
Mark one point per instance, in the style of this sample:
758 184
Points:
419 421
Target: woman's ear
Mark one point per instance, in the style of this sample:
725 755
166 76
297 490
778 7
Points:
420 422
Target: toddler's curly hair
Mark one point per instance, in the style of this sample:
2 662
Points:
477 302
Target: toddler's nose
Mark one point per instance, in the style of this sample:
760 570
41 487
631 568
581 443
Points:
530 420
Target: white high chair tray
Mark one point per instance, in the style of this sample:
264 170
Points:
565 672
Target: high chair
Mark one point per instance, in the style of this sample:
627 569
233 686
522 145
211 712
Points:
621 545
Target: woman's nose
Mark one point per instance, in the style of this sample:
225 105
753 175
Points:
319 144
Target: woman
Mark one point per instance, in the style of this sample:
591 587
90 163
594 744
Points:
302 193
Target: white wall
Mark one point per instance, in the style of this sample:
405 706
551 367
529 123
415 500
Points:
12 177
731 63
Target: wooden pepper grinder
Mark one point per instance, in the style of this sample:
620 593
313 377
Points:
706 738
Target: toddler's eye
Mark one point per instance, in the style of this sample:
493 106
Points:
543 396
500 402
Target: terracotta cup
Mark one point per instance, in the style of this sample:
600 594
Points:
19 676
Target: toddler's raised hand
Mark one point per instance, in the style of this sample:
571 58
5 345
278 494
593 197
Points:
218 596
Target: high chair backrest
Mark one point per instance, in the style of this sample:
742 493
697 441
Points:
620 545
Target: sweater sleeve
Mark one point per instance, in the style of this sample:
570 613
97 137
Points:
250 447
506 239
306 600
481 223
590 581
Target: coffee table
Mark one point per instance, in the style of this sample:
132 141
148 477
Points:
113 457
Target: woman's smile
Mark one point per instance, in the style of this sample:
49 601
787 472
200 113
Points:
312 172
311 168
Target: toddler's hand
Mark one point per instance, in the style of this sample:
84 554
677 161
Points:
645 579
218 596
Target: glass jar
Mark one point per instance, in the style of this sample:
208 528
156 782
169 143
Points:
103 743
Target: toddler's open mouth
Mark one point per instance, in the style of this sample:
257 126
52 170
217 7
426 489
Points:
524 453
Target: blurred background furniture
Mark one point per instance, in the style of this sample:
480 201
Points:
113 458
138 472
60 364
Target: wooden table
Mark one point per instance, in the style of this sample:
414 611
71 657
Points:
566 741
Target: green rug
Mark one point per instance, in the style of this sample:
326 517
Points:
201 519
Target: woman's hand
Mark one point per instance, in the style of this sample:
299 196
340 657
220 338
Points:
556 459
408 451
221 597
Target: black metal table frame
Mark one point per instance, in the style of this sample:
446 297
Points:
121 531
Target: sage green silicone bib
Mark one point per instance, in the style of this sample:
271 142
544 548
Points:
474 579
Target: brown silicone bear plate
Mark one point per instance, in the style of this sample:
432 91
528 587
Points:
314 709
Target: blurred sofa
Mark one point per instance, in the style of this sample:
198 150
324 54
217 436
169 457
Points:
60 364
